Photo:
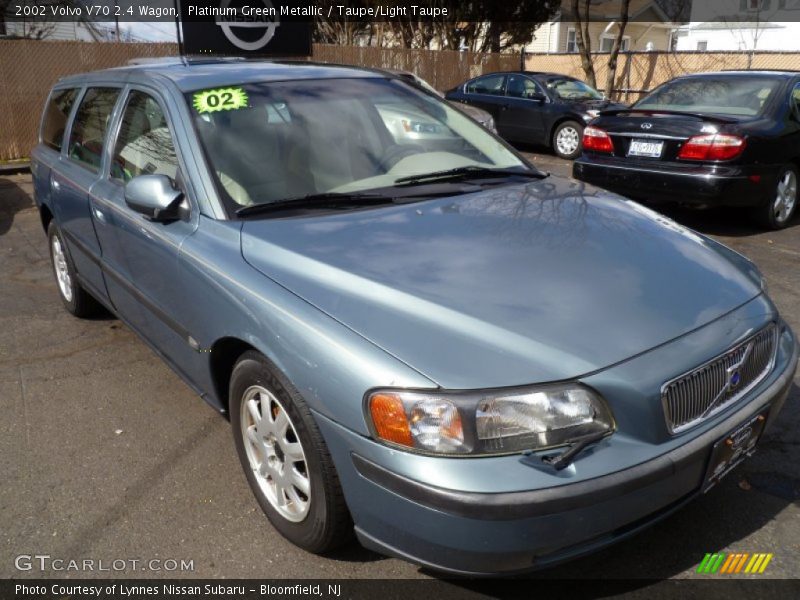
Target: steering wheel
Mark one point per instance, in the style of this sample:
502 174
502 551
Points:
396 152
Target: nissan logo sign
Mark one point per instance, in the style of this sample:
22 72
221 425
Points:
269 26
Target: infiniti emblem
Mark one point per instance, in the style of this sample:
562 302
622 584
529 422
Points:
647 125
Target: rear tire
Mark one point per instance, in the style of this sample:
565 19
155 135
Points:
782 204
285 458
74 297
566 140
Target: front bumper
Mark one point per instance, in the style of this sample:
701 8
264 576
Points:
679 183
474 532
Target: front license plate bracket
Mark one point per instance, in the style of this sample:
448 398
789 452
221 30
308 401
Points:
732 449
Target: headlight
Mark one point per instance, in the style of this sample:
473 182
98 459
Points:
419 127
590 114
488 422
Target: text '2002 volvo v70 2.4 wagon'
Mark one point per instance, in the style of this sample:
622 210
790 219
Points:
425 342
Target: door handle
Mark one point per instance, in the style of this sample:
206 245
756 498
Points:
56 186
100 215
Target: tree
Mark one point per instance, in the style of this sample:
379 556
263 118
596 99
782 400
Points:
489 26
476 25
37 28
26 28
611 73
583 40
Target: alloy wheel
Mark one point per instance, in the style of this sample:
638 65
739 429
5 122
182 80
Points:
567 140
61 269
785 197
275 454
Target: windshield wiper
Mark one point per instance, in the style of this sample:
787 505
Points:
466 172
321 201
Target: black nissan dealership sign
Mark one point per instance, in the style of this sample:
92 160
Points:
244 28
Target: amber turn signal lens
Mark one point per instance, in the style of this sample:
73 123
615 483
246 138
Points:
389 418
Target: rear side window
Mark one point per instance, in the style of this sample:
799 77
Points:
491 84
144 144
90 125
56 113
796 98
522 87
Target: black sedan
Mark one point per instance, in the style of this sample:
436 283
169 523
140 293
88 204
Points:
536 108
711 139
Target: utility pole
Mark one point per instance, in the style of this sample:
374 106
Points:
116 20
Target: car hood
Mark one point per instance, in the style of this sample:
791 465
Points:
476 113
516 284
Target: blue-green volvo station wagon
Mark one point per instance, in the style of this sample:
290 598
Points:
420 340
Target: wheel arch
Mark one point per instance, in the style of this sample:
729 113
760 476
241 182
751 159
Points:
563 119
224 354
46 215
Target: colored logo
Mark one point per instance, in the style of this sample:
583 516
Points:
736 378
721 563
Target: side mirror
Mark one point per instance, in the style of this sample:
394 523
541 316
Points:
154 196
536 97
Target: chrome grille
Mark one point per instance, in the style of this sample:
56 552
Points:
704 391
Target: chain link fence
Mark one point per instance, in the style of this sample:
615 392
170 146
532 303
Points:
639 72
29 68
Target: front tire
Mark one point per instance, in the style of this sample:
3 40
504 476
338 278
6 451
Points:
566 140
285 458
75 299
782 205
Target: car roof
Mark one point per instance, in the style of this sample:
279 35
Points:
193 74
743 73
543 74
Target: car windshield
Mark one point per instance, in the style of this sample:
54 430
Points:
268 142
572 89
733 95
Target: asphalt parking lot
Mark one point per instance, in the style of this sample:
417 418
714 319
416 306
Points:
106 454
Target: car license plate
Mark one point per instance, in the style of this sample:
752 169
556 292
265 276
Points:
733 449
645 148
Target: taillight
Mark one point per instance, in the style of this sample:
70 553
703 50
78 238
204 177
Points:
597 140
713 146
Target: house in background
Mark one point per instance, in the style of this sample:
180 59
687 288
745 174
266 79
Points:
741 25
649 28
54 30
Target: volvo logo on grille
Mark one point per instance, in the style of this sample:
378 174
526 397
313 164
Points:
647 125
734 377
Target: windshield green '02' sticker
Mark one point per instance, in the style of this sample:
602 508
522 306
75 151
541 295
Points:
220 99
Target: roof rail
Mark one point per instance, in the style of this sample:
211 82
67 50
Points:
186 60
